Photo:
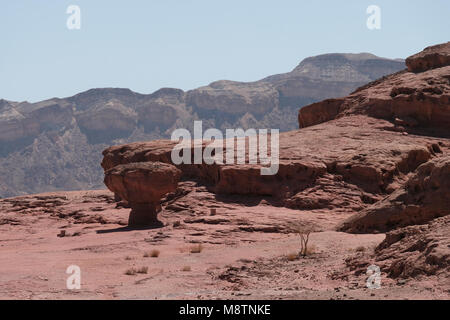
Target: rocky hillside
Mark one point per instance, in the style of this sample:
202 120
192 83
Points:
368 157
417 99
56 144
366 188
380 155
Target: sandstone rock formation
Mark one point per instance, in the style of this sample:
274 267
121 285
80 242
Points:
56 144
143 185
437 56
424 197
416 99
410 252
416 250
345 164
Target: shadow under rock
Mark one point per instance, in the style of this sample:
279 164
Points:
248 200
131 228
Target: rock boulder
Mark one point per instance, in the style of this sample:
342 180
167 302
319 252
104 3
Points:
411 97
430 58
424 197
143 185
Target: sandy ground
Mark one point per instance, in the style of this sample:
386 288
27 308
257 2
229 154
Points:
245 249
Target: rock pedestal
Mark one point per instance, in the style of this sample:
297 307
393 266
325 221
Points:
143 185
143 214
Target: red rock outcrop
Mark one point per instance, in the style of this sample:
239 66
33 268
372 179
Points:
425 196
419 100
357 157
430 58
143 185
345 164
410 252
416 250
319 112
415 101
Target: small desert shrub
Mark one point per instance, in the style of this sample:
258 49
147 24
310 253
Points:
304 240
154 254
197 248
142 270
292 256
360 249
131 272
128 258
186 268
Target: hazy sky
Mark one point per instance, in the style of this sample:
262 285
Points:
145 45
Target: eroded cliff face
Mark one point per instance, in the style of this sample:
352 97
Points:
417 99
432 57
414 101
409 253
41 142
346 164
424 197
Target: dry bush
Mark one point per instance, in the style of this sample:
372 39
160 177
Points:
197 248
304 241
128 258
142 270
153 254
131 272
186 268
360 249
304 238
292 256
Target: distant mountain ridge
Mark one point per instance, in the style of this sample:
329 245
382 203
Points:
56 144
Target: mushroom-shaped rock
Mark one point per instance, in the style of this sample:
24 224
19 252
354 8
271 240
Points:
143 185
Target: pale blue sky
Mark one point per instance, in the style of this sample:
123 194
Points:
145 45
